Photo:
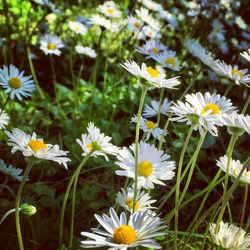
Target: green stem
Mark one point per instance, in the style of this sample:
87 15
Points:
246 104
54 78
4 105
244 206
17 203
7 214
137 131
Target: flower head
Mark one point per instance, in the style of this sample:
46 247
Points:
134 23
151 48
77 27
85 51
4 119
246 55
150 111
109 9
51 45
16 173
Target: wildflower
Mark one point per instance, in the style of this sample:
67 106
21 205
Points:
143 200
234 169
31 145
27 209
151 48
151 5
4 119
100 21
97 141
51 45
230 236
140 230
246 55
151 33
134 23
10 170
15 83
51 17
153 165
78 27
109 9
150 111
85 51
155 76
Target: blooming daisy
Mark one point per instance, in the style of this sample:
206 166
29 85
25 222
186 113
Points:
109 9
149 127
151 48
155 76
97 141
246 55
151 33
4 119
125 199
12 171
150 111
151 5
153 165
77 27
100 21
120 233
134 23
233 73
51 44
230 236
31 145
85 51
15 83
167 59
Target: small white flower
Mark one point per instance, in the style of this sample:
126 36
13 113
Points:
51 45
95 140
85 51
4 119
151 48
150 111
134 23
153 165
151 5
109 9
151 33
103 22
15 83
125 199
31 145
51 17
246 55
230 236
16 173
77 27
120 233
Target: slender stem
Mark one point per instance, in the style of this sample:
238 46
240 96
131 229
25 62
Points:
4 105
17 203
246 104
178 182
54 78
244 206
7 214
137 131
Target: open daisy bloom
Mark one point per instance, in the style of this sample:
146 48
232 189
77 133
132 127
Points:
4 119
101 21
134 23
125 199
153 165
234 169
150 111
155 76
31 145
140 230
97 141
51 45
15 83
85 51
151 48
230 237
77 27
109 9
16 173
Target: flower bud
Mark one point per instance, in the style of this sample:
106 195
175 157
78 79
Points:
27 209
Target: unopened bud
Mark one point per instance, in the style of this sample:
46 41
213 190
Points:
27 209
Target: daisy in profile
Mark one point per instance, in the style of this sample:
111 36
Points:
230 236
151 33
151 48
51 45
153 165
16 173
246 55
4 119
15 83
143 200
100 21
85 51
155 76
77 27
150 111
235 167
31 145
134 23
232 72
97 141
120 233
167 59
109 9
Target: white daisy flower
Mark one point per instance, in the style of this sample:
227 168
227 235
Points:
154 76
77 27
233 73
246 123
246 55
151 5
230 236
51 45
153 165
4 119
151 33
140 230
109 9
85 51
100 21
125 199
234 169
150 111
167 59
15 83
98 141
151 48
16 173
31 145
134 23
149 127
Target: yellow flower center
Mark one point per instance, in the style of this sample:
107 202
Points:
15 83
235 71
145 168
152 72
77 28
171 61
36 145
124 235
150 125
90 146
130 202
137 25
212 107
155 50
51 46
110 11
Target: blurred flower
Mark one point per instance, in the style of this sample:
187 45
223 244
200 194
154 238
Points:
4 119
101 21
109 9
51 44
151 48
15 83
151 5
246 55
153 165
27 209
77 27
140 230
30 145
51 17
134 23
12 171
85 51
151 33
150 111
